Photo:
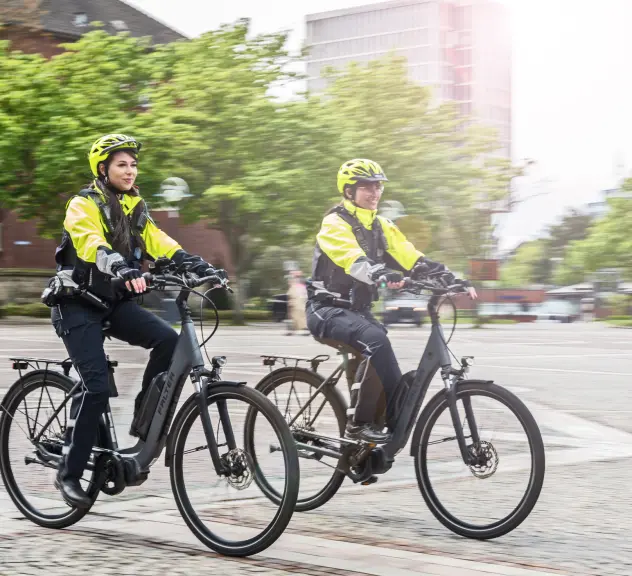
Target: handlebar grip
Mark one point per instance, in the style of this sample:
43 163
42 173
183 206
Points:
119 283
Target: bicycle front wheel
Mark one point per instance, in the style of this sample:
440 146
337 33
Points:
498 489
228 513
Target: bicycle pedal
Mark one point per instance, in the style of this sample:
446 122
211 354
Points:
369 481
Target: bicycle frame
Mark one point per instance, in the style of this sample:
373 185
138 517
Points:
187 361
435 357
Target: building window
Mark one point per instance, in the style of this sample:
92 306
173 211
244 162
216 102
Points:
80 19
119 25
463 93
419 73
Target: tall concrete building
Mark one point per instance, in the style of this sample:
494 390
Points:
461 48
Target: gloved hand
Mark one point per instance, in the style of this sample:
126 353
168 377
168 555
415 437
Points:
191 263
126 273
389 275
133 277
219 272
425 268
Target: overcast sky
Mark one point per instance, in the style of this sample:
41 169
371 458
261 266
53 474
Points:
572 87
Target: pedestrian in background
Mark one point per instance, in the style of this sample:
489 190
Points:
296 300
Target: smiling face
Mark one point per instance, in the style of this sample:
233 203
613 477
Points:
122 170
368 194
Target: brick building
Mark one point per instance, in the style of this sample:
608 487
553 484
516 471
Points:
21 247
41 28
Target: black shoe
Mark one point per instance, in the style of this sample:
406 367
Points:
367 433
72 492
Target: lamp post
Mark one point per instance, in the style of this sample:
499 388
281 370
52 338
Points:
172 190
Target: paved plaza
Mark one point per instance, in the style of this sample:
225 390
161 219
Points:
575 379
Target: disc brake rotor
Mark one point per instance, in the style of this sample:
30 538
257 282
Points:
485 459
240 469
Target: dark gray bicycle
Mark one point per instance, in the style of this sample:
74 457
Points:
204 426
478 452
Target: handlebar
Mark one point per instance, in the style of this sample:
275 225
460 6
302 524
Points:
186 281
431 285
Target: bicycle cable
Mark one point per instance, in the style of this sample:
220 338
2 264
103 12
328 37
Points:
204 297
448 297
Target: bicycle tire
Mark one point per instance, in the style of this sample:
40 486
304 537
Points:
189 413
10 403
427 419
338 404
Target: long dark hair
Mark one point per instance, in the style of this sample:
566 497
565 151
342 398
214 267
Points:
123 233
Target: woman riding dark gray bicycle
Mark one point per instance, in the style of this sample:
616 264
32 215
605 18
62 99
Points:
356 247
108 233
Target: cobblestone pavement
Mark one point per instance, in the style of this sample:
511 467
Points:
575 380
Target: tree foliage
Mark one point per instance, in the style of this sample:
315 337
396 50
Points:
525 267
607 245
52 110
549 259
261 170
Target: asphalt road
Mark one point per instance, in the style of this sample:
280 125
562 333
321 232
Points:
574 378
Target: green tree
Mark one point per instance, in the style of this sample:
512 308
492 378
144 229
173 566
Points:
608 244
250 160
52 110
574 225
525 267
440 167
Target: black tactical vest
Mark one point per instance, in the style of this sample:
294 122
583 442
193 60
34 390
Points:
335 279
86 274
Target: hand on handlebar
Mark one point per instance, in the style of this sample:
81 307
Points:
215 276
133 278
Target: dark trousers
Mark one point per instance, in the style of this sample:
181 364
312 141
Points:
368 337
80 327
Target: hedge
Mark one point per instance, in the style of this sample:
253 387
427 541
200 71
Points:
32 310
37 310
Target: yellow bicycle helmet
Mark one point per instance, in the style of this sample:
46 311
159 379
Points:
358 169
107 144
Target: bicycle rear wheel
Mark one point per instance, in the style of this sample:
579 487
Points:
26 409
232 505
290 389
495 494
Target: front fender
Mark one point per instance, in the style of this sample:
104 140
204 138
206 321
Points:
183 409
414 444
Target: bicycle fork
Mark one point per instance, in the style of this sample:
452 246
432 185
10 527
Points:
211 442
451 382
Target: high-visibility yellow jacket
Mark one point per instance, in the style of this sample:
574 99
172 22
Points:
86 242
350 243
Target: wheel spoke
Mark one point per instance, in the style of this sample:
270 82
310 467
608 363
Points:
31 485
323 413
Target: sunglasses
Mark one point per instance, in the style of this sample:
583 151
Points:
371 185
